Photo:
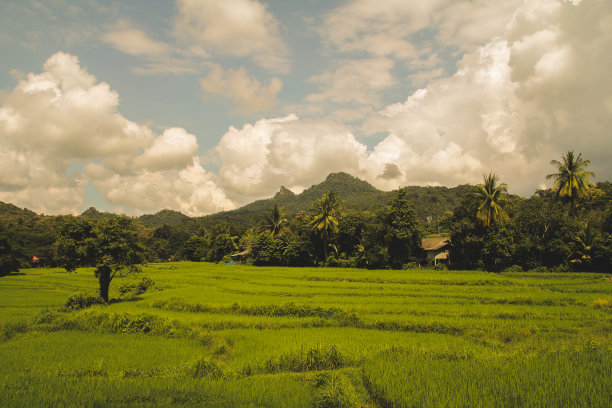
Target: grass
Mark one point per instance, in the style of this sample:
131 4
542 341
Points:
217 335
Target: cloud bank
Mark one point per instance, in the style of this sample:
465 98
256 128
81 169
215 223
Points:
526 88
61 130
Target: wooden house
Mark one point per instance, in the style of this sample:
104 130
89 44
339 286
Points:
437 249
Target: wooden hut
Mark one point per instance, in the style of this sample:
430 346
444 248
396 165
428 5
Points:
437 249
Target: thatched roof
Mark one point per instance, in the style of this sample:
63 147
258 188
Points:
433 244
442 256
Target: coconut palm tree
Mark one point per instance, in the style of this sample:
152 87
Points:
572 181
490 210
327 212
275 220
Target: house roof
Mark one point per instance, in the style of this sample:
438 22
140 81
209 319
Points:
441 255
432 244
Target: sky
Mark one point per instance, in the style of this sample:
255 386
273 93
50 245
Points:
201 106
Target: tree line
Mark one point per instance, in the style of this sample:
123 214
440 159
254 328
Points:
568 227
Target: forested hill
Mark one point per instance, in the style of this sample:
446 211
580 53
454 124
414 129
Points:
356 194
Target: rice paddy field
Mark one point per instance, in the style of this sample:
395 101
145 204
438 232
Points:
239 336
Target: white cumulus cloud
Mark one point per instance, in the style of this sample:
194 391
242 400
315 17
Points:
60 130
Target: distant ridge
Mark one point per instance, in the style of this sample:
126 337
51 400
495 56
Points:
163 217
356 194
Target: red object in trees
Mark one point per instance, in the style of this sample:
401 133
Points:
35 259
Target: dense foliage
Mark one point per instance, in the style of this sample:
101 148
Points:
345 221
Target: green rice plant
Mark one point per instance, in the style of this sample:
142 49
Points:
577 379
225 336
333 391
603 304
320 357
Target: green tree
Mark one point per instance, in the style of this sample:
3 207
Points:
76 243
327 212
274 220
491 195
8 260
266 250
110 244
572 180
403 235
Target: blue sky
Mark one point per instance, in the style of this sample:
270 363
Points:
206 105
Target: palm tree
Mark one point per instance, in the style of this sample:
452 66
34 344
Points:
571 179
275 220
328 210
490 210
587 239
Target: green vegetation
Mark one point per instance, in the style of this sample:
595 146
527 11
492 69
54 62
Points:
572 181
490 193
110 245
342 222
202 334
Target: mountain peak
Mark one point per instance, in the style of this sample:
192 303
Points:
284 192
344 182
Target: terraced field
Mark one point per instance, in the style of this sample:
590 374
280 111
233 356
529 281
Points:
231 336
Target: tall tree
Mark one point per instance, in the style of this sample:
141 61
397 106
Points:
490 209
110 244
403 235
119 252
572 180
275 220
327 212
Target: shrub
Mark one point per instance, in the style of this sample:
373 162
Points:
562 268
440 267
204 367
137 288
83 301
514 268
410 265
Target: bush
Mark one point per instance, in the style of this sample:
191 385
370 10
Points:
204 367
410 265
514 268
562 268
83 301
137 288
440 267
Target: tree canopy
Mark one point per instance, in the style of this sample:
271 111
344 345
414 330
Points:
572 180
111 245
491 194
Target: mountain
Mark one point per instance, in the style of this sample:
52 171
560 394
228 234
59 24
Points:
356 194
94 214
164 217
